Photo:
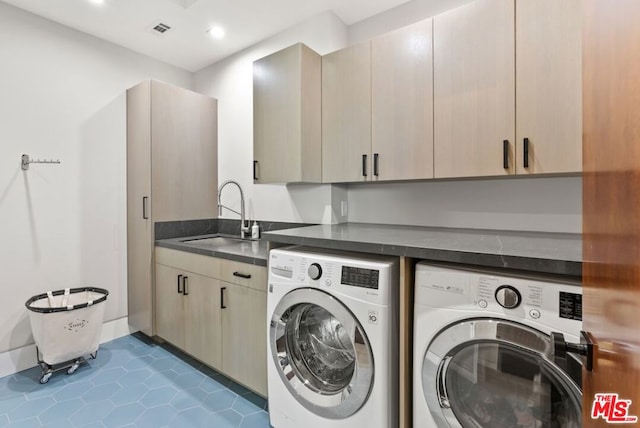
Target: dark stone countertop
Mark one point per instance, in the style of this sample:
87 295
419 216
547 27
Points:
550 253
245 251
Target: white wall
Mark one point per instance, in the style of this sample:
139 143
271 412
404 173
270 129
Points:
534 204
231 82
63 96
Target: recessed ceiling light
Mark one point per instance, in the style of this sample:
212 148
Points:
96 1
216 32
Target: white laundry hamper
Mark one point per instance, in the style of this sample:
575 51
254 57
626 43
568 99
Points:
66 326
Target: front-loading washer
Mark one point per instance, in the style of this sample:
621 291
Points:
488 349
332 339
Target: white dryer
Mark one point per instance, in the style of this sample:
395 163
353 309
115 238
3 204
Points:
332 339
489 350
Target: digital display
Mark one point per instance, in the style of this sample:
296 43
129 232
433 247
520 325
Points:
571 306
359 277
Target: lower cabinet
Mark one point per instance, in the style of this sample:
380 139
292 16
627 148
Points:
214 310
244 338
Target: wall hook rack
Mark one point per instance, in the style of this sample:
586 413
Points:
26 161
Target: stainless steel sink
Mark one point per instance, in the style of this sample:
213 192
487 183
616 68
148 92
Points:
216 241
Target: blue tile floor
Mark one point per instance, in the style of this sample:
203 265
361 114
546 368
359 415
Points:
134 382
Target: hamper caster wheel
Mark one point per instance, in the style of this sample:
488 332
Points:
45 378
71 370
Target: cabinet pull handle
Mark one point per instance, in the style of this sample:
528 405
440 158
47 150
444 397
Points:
185 292
144 207
255 169
375 164
242 275
364 165
505 154
179 282
525 153
222 305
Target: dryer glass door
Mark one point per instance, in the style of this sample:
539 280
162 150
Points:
322 353
494 374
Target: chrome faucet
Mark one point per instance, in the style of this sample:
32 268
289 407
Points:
244 228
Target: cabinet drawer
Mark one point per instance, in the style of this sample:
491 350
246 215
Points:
190 262
245 274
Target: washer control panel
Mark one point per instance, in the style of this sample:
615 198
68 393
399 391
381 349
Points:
361 276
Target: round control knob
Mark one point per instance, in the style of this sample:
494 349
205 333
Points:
314 271
508 297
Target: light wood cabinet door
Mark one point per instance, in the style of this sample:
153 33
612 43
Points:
474 90
402 103
244 344
548 86
184 162
171 175
139 224
287 116
346 115
203 326
169 305
245 274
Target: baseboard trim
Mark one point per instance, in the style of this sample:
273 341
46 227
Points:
19 359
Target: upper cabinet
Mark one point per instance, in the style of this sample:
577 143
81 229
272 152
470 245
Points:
402 103
489 89
474 90
346 114
287 116
508 99
184 161
377 108
171 175
548 86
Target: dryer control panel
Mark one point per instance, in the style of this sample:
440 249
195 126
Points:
489 293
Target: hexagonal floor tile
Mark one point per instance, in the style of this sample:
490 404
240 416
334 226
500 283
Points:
157 380
25 423
225 419
59 413
186 399
134 383
142 362
101 392
91 412
220 400
108 375
73 390
196 417
162 364
129 394
123 415
189 380
156 417
134 377
158 396
31 408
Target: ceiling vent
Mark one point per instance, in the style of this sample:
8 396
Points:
159 28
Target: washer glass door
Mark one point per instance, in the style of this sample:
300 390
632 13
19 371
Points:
322 353
497 374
